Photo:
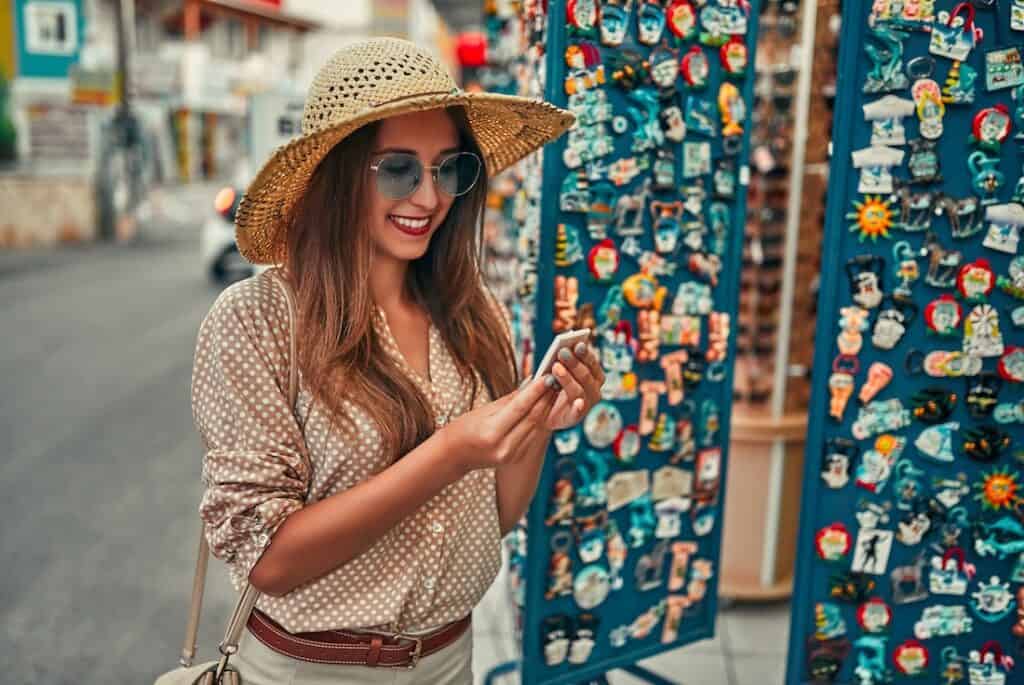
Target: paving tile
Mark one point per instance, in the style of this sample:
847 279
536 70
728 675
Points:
759 670
756 629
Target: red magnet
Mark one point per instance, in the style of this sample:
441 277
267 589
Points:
976 280
734 56
943 315
992 125
681 19
874 615
911 658
582 14
695 67
833 542
603 260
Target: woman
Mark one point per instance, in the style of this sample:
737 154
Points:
370 514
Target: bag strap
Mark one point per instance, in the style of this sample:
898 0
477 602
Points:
247 600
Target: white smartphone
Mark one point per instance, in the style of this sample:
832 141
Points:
562 340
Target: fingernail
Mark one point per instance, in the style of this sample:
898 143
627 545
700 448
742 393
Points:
550 381
564 355
525 383
581 349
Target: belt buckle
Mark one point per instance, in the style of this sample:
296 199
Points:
414 657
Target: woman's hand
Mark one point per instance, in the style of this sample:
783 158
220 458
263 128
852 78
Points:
493 435
581 378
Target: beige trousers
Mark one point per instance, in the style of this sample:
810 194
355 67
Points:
260 665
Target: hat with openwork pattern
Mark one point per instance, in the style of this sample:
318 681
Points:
366 82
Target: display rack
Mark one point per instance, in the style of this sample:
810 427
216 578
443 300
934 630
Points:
911 544
645 484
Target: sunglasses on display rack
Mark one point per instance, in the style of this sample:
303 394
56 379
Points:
399 174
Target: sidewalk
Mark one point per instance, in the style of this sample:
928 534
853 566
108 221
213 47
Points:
749 647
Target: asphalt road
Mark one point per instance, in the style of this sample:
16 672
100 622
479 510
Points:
100 463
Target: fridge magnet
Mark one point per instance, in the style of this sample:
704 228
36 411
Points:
591 586
627 444
840 453
734 57
695 68
950 573
696 159
1004 230
966 215
675 606
828 621
936 442
649 567
954 33
825 659
681 19
954 666
583 638
879 375
908 582
892 322
993 601
911 658
886 116
1017 15
617 552
875 164
942 315
650 22
886 73
851 587
556 632
988 666
871 668
959 87
874 616
1003 69
991 126
567 441
664 68
872 217
976 280
923 162
916 210
943 264
876 463
930 108
614 22
870 514
932 405
871 553
986 178
943 621
582 16
1011 364
625 487
833 542
602 425
733 110
602 260
982 337
681 553
641 521
560 566
721 20
672 123
999 489
568 249
983 394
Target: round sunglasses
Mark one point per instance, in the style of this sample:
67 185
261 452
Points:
399 174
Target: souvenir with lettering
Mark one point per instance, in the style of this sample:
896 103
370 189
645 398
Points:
930 108
954 33
1003 69
959 87
650 22
695 68
924 161
886 116
567 294
1004 231
991 126
614 21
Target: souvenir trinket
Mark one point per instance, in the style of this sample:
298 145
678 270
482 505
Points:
879 375
908 484
705 265
725 180
916 210
874 616
833 542
1018 627
581 15
696 159
686 445
1011 364
672 123
665 217
871 554
911 658
681 553
733 110
591 539
949 491
886 116
642 291
681 19
872 216
628 69
592 473
950 573
629 211
616 552
618 637
672 363
692 298
982 337
566 294
583 638
567 441
664 69
930 108
876 464
886 72
708 471
924 162
1009 412
875 164
701 572
641 521
649 567
591 586
602 425
734 56
1004 231
671 482
650 22
600 210
614 21
954 666
983 394
851 587
695 68
991 127
602 260
828 621
645 622
840 453
627 444
959 86
564 495
976 280
1014 284
992 601
880 416
943 621
986 177
893 320
825 659
942 315
585 70
664 170
988 666
663 436
954 34
1003 69
939 363
1017 15
985 443
840 383
966 216
721 20
556 631
560 566
674 608
700 117
871 669
943 264
702 519
937 441
908 582
568 249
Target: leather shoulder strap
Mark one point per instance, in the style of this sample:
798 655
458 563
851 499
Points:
249 596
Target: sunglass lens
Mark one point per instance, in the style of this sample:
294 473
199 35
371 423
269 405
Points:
399 175
457 174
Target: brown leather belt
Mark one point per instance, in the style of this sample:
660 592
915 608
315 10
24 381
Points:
354 648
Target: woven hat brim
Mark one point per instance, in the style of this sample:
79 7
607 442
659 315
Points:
507 128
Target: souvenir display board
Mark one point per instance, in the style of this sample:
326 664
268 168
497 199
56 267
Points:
912 532
637 219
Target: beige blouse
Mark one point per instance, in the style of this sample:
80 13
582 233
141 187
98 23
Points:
263 462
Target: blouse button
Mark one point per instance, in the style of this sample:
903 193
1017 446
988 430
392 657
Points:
263 539
441 420
429 583
437 527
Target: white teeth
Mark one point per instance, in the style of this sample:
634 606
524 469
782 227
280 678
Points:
410 223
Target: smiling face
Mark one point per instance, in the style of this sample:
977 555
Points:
401 230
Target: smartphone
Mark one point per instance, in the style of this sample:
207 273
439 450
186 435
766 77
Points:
562 340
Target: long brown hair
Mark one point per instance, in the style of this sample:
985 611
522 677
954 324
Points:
328 255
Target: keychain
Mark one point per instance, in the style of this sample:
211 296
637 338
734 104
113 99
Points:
560 566
564 496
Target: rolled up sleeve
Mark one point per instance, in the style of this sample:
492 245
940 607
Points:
255 466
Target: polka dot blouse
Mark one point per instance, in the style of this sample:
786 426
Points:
263 461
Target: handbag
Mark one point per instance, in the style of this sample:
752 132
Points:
219 672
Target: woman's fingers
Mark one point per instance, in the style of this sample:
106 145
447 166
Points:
590 385
570 384
520 406
522 433
593 363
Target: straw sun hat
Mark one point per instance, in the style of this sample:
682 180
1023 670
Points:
366 82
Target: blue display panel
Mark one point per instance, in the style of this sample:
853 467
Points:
912 530
639 216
